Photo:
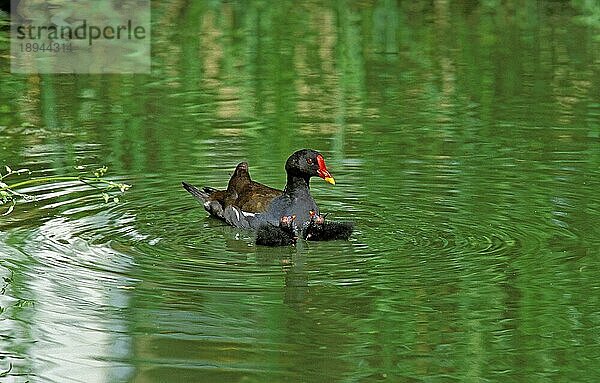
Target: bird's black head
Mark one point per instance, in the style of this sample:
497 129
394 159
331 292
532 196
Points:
308 163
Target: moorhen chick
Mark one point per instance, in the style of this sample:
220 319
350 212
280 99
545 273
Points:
317 229
320 230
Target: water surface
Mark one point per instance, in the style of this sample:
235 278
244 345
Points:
464 139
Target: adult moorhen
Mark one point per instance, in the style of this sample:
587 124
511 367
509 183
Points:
279 217
295 201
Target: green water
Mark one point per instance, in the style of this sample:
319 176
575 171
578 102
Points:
465 141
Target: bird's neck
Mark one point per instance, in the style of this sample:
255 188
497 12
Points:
297 184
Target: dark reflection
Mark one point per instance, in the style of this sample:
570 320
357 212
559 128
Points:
292 260
296 282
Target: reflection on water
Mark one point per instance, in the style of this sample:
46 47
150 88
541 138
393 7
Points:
464 139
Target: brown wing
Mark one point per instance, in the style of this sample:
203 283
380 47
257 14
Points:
218 195
256 197
248 195
240 179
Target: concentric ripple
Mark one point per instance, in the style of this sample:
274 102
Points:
108 284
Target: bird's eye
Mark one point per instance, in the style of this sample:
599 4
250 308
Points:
309 160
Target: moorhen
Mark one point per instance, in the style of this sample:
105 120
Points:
287 232
248 195
279 217
320 230
295 201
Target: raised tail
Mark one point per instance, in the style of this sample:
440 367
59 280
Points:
200 195
203 196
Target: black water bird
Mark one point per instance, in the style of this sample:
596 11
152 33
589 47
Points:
295 200
279 217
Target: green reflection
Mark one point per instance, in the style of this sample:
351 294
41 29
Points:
464 137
